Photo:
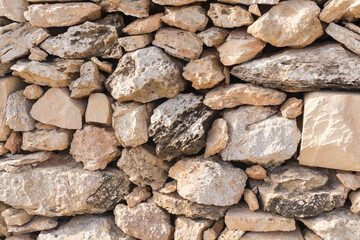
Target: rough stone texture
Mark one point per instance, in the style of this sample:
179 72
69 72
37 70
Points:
355 201
178 126
14 9
102 65
191 18
353 12
249 2
44 126
188 229
130 122
13 143
333 10
352 27
138 195
46 140
84 41
36 54
329 131
176 2
18 116
297 70
251 200
113 19
229 16
144 25
89 227
57 108
258 136
208 181
292 108
145 221
213 232
62 14
4 150
16 40
169 187
256 172
17 217
33 92
349 180
20 237
177 205
95 147
98 109
345 36
254 9
55 73
19 162
228 234
145 75
213 37
5 68
48 189
38 223
291 23
217 137
310 235
293 190
293 235
133 43
143 167
229 96
136 8
240 47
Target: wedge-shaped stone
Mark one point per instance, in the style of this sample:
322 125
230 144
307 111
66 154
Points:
228 234
176 2
13 143
38 223
354 197
217 137
139 194
98 109
136 8
18 162
84 41
17 217
349 180
228 16
14 9
213 36
144 25
345 36
293 235
133 43
292 108
4 150
320 66
138 76
62 14
333 10
188 229
353 12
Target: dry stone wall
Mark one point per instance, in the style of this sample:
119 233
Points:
179 119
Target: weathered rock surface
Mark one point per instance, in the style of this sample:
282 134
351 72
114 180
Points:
249 2
17 217
98 109
13 143
254 9
355 201
188 229
296 70
169 187
102 65
33 92
144 25
353 12
208 181
177 205
213 36
38 223
217 137
251 200
55 73
293 235
95 147
133 43
20 237
229 16
292 108
143 167
213 232
138 195
62 14
349 180
36 54
176 2
19 162
136 8
57 108
228 234
256 172
310 235
178 126
139 78
334 10
145 221
84 41
5 68
14 9
345 36
352 27
3 149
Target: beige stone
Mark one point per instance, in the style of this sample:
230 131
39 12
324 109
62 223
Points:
217 137
292 108
345 36
188 229
38 223
36 54
5 68
58 109
240 47
293 235
3 150
229 96
136 8
33 92
19 162
191 18
13 143
14 9
229 16
176 2
256 172
168 187
213 232
62 14
349 180
310 235
20 237
17 217
228 234
249 2
251 200
144 25
353 12
98 109
355 201
44 126
334 10
133 43
214 36
139 194
254 9
291 23
352 27
113 19
3 228
102 65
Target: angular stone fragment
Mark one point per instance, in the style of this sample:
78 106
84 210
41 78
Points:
144 25
251 200
188 229
292 108
208 181
13 143
5 68
217 137
44 126
18 116
98 109
191 18
4 150
178 43
143 167
84 41
133 43
293 235
145 221
229 16
310 235
37 189
353 12
176 2
169 187
256 172
57 108
228 234
349 180
213 36
38 223
20 237
102 65
213 232
333 10
55 73
138 76
321 66
36 54
14 9
136 8
178 126
345 36
138 195
239 47
249 2
33 92
16 217
62 14
355 201
19 162
254 9
352 27
291 23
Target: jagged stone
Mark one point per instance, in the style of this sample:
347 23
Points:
229 16
293 235
228 234
251 200
13 143
136 8
14 9
345 36
102 65
138 195
36 54
213 232
189 229
113 19
353 12
144 25
176 2
33 92
133 43
5 68
256 172
4 150
333 10
213 37
19 162
138 76
178 126
349 180
254 9
249 2
217 137
292 108
17 217
355 201
98 109
38 223
169 187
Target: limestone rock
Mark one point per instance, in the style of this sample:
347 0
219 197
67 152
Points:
37 190
17 217
138 195
143 167
102 65
228 234
333 10
329 132
5 68
145 221
4 150
208 181
355 201
33 92
188 229
229 16
178 126
13 143
240 47
131 121
20 237
352 27
44 126
310 235
36 54
38 223
177 205
55 73
136 8
19 162
98 109
249 2
217 137
204 73
84 41
353 12
292 108
144 25
62 14
293 190
138 76
251 200
258 136
46 140
113 19
95 147
176 2
254 9
345 36
133 43
349 180
86 227
256 172
18 116
191 18
14 9
213 232
296 70
169 187
90 80
229 96
213 37
57 108
293 235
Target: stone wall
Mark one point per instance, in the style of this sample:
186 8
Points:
179 119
